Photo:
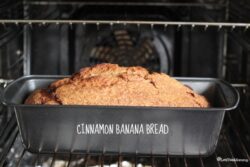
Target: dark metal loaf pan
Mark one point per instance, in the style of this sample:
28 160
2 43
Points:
187 131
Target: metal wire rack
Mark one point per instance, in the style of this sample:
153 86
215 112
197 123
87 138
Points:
30 24
138 23
137 3
232 149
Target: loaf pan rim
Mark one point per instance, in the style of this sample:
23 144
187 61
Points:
216 80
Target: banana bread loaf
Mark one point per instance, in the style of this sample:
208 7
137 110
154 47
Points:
110 84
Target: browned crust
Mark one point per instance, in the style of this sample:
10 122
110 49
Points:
41 96
110 84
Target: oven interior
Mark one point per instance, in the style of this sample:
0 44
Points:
191 38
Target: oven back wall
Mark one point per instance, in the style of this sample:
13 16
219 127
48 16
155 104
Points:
185 52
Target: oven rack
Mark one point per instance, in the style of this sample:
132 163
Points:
129 3
233 144
138 23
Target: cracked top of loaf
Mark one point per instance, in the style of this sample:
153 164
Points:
110 84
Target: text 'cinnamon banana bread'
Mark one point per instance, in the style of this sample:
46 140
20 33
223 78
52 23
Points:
110 84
